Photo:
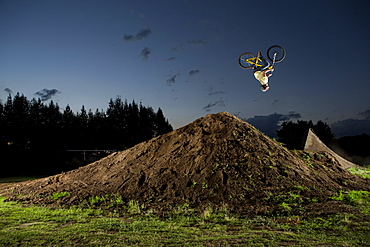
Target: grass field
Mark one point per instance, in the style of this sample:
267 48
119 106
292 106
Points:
41 226
25 225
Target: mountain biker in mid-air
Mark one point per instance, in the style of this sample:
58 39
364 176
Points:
263 73
262 69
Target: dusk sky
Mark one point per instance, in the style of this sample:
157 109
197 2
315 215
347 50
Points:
182 56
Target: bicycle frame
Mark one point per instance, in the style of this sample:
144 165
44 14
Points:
275 54
255 61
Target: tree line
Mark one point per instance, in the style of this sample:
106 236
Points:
35 137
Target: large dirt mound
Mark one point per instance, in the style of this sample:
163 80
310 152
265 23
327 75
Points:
215 161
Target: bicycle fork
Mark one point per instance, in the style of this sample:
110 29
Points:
273 62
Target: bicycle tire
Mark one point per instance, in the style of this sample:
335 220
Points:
243 60
280 53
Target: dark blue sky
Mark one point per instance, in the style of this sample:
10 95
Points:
182 56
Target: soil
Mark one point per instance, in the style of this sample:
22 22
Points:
217 161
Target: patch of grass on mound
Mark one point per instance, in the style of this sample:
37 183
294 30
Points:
360 171
41 226
354 197
57 195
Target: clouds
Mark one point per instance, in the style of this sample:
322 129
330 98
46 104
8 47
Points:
348 127
170 81
8 90
269 124
352 127
212 92
177 48
170 59
46 94
145 53
141 35
146 32
366 114
219 102
194 72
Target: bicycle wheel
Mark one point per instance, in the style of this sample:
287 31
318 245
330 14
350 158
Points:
278 51
247 60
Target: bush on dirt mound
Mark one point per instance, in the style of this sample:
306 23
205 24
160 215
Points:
216 161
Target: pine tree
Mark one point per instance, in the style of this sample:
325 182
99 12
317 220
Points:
162 125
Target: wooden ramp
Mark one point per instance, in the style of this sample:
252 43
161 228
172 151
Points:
314 144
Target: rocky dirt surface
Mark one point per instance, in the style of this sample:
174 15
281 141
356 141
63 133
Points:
217 161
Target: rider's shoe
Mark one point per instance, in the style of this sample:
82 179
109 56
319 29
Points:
264 88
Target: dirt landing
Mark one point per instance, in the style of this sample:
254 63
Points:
215 161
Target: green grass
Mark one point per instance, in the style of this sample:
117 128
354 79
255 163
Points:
360 171
57 195
22 225
353 197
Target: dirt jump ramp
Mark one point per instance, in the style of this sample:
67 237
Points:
314 144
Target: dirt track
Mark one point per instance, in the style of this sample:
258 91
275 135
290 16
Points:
216 161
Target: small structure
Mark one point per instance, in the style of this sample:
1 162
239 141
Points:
314 144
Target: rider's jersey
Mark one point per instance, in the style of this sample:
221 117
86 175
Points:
262 79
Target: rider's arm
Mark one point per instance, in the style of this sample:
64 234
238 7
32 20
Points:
266 71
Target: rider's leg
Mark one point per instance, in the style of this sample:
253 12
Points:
265 63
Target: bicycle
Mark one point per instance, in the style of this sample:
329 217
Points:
275 54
